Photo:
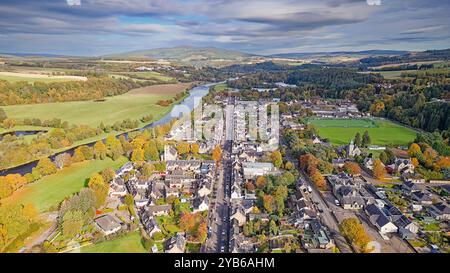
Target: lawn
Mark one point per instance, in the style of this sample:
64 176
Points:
382 132
132 105
129 243
49 191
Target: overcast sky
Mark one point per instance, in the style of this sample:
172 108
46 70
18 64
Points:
95 27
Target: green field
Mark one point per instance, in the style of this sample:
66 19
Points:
341 131
49 191
118 108
31 79
149 75
129 243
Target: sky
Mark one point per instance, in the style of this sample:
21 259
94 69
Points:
97 27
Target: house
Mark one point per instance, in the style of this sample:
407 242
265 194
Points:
204 190
380 220
422 197
124 169
412 177
252 170
409 187
249 156
239 215
201 204
235 192
316 140
258 216
316 236
176 244
158 210
440 211
403 166
151 226
368 163
338 162
108 224
170 153
348 198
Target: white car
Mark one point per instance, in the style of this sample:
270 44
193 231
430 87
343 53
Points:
336 202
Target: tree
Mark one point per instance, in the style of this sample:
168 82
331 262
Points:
137 155
268 203
442 163
151 151
358 139
308 163
217 154
260 182
195 148
273 228
379 171
100 188
414 150
353 230
366 139
383 157
289 165
108 174
147 170
276 158
187 222
72 223
249 186
129 200
415 162
63 160
46 167
3 115
376 108
78 156
202 232
3 236
318 180
352 168
100 150
183 148
115 149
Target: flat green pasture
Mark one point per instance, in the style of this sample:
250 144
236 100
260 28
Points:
382 132
129 243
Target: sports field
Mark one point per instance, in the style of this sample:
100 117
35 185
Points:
129 243
132 105
49 191
382 132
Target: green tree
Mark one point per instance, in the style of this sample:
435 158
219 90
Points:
358 139
366 139
276 158
151 151
72 223
137 155
273 228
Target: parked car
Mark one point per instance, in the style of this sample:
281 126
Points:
336 202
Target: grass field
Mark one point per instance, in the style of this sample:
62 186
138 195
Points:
339 131
33 77
133 105
129 243
49 191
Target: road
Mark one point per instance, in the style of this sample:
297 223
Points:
327 217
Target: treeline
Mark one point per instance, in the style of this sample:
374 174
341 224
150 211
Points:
429 55
12 93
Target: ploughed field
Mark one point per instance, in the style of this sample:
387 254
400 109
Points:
382 132
132 105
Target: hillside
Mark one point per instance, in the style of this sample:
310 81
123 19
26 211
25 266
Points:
185 55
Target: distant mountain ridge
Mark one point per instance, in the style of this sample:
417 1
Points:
183 54
337 53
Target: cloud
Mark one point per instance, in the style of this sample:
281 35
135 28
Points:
253 25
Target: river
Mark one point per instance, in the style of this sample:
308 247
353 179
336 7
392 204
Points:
189 103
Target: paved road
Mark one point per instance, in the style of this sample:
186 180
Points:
327 217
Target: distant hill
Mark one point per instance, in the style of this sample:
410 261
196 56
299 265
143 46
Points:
428 55
338 53
184 54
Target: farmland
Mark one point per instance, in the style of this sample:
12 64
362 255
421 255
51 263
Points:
48 192
132 105
129 243
33 77
382 132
